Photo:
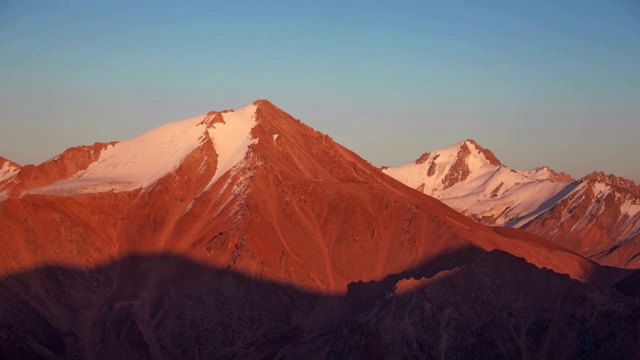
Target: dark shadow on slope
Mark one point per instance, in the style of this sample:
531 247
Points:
169 307
331 312
549 203
498 307
160 306
600 275
361 295
630 285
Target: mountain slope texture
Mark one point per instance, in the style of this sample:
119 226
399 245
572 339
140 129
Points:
597 216
247 234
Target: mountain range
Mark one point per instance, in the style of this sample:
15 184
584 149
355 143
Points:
247 234
597 216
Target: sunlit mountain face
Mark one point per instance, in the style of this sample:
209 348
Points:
597 216
247 234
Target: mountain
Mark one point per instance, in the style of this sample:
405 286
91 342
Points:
8 170
597 216
18 179
247 234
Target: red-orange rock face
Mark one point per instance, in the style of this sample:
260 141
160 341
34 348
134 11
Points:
597 221
300 237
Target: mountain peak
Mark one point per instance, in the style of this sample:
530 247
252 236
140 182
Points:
471 179
464 150
8 169
612 179
264 103
7 161
486 153
437 171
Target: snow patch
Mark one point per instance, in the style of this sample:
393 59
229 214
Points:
232 139
135 163
630 208
600 189
7 171
142 161
508 196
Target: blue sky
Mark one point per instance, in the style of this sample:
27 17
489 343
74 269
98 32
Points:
538 82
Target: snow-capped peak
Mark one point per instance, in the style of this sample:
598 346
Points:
442 169
471 179
8 169
143 160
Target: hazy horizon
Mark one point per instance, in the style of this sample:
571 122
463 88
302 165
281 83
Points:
537 83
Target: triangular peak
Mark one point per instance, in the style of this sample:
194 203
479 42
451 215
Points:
486 153
6 162
468 151
8 169
263 103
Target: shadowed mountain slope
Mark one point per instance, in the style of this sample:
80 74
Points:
158 306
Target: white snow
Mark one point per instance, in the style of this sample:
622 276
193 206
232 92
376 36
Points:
7 171
540 173
233 138
512 197
141 161
414 175
630 208
508 196
528 201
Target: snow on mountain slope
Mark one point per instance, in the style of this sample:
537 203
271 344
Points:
232 138
597 216
8 169
599 219
471 180
444 168
141 161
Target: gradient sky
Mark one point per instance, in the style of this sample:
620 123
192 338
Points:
538 82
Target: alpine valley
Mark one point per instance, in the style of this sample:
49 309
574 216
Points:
245 234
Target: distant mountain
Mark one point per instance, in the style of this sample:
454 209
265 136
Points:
8 169
247 234
597 216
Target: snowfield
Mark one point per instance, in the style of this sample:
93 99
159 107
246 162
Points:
508 196
142 161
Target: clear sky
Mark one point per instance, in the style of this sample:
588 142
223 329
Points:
552 83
